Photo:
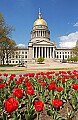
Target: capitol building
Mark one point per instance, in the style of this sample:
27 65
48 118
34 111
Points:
39 45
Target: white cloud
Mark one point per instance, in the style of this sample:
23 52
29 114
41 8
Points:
76 24
21 45
68 41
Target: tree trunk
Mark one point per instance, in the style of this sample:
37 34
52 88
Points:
7 58
3 57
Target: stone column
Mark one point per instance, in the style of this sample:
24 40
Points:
42 33
39 53
36 52
42 51
33 52
50 53
53 52
36 33
45 52
39 33
45 33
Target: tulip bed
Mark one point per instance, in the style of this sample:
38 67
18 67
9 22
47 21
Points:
39 96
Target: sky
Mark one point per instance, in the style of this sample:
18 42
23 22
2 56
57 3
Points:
60 15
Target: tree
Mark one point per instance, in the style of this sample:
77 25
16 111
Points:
7 46
75 49
5 30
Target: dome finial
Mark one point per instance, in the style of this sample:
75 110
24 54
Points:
39 15
39 10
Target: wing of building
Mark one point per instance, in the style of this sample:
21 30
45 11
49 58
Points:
39 45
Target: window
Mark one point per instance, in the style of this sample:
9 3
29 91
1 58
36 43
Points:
71 52
65 52
57 56
26 61
12 61
60 56
13 56
16 52
65 56
22 52
57 52
25 56
25 52
9 61
16 61
68 52
16 56
22 56
19 61
60 52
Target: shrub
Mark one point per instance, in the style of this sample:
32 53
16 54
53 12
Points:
40 60
75 59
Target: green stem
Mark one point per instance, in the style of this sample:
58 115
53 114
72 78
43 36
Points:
37 116
5 116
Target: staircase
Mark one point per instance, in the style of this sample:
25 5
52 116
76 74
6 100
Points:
49 60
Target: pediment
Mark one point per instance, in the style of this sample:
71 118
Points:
43 42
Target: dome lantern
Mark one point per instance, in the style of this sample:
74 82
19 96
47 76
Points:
40 21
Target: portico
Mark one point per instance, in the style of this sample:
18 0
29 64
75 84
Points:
43 51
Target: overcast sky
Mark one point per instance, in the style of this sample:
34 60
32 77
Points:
60 15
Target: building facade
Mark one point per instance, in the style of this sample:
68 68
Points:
39 45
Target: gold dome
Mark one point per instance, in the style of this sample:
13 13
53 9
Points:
40 21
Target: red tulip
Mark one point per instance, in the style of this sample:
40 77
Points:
17 92
39 80
52 86
64 80
44 76
20 75
28 84
5 74
49 76
56 103
30 91
36 76
21 78
31 74
39 105
18 82
8 82
43 84
77 75
59 88
0 74
11 77
75 86
1 79
2 85
11 105
59 78
26 80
